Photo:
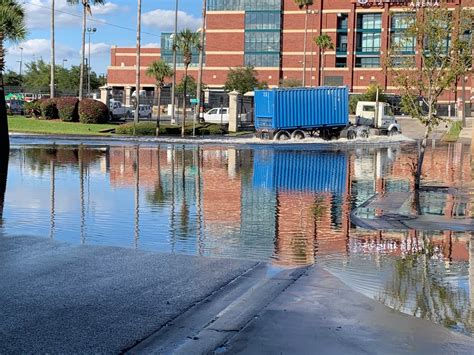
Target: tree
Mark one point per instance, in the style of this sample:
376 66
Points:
446 55
11 78
12 28
290 83
324 42
242 80
159 70
304 4
186 42
86 9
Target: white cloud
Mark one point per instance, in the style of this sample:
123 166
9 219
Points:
38 13
164 20
38 48
98 49
151 45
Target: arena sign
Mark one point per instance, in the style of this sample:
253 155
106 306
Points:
416 4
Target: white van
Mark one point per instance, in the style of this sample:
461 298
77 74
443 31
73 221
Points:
216 115
144 111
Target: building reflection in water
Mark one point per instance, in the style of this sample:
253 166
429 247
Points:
288 206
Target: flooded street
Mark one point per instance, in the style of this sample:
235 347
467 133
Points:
288 205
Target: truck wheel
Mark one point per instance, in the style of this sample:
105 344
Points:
282 136
393 132
351 135
263 135
364 134
298 135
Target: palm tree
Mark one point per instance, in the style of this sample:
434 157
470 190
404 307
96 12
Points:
52 52
186 41
159 70
304 4
12 28
86 9
324 42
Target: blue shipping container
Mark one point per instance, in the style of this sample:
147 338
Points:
291 170
307 108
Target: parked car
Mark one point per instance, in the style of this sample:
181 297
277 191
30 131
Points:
216 115
144 111
117 110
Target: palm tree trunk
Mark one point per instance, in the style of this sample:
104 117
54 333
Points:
158 116
52 51
321 81
304 45
83 49
201 61
184 99
4 137
136 119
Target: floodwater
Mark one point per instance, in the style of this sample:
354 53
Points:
288 205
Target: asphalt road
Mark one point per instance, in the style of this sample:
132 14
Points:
58 298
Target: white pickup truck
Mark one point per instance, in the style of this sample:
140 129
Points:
117 110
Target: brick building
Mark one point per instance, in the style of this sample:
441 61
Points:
269 35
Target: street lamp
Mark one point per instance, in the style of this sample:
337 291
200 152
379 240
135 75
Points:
21 61
64 61
90 30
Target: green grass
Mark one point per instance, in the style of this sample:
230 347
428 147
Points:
31 125
453 134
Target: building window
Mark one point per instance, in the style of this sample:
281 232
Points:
369 21
262 20
262 42
368 42
342 22
341 62
240 5
262 59
167 52
367 62
399 42
341 43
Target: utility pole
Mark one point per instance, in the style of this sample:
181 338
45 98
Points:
21 61
137 72
201 62
173 86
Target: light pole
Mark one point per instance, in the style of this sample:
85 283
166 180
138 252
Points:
173 86
64 61
90 30
201 55
21 61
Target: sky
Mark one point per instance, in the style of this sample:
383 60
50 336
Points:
115 23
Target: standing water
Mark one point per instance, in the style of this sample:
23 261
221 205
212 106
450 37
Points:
287 205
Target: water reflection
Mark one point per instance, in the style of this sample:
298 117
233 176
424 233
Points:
289 206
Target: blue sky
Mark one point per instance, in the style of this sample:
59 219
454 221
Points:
115 23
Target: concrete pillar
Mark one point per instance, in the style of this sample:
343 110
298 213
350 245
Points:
128 95
104 95
232 162
233 111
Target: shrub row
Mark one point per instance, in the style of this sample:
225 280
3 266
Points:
149 129
69 109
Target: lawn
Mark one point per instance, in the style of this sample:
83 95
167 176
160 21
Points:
30 125
453 134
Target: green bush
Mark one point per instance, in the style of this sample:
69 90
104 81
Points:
49 110
33 109
353 100
68 109
93 111
149 129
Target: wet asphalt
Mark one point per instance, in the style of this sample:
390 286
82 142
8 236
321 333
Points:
59 298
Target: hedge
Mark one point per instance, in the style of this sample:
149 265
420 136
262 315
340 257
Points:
68 109
33 109
93 111
49 111
149 129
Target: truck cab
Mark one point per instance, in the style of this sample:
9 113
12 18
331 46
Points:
385 121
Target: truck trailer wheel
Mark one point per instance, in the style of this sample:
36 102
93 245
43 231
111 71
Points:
393 132
297 135
282 136
351 135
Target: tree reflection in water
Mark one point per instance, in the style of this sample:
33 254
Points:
418 288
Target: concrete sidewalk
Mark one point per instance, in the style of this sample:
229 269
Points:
318 314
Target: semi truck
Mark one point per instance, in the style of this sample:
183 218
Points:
296 113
